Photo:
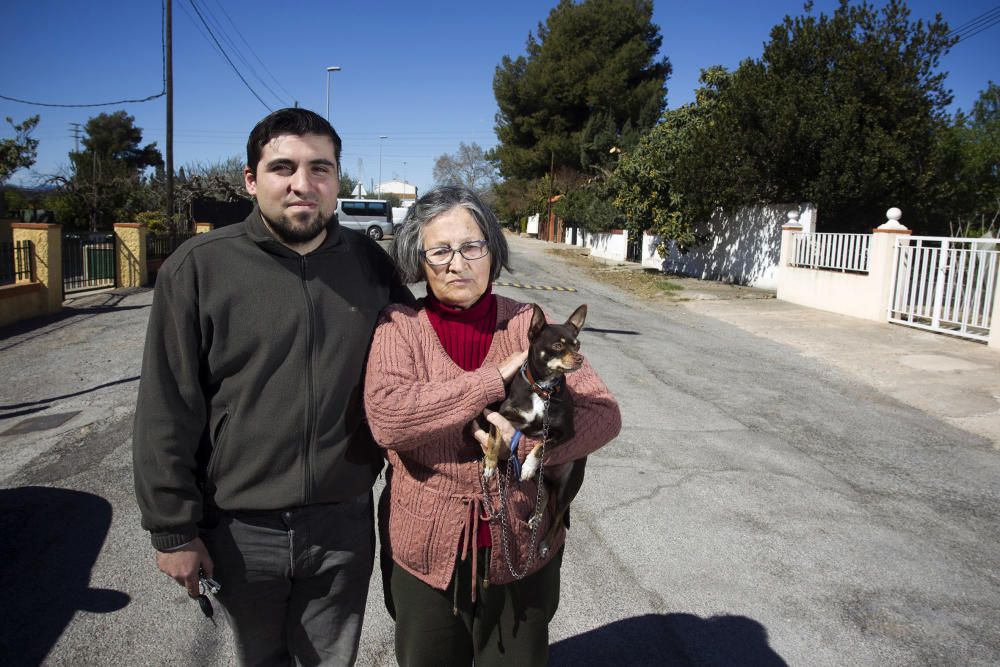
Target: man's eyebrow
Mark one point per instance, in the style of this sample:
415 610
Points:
283 161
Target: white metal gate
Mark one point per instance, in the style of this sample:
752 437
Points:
945 284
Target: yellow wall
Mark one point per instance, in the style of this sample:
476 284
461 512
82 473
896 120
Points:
44 295
130 253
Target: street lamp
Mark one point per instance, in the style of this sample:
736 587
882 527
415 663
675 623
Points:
380 138
329 70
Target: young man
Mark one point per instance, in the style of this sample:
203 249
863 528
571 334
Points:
253 463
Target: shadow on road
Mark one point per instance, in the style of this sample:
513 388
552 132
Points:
45 401
51 539
670 640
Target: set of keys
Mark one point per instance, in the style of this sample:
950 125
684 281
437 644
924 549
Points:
207 585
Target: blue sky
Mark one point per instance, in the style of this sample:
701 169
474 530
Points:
419 73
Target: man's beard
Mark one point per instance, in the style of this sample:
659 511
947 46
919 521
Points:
288 232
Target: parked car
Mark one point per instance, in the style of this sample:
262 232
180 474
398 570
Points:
371 216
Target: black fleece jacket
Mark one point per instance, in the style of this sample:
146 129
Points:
250 396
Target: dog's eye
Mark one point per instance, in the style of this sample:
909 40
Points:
558 347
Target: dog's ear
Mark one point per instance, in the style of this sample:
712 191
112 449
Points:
577 319
537 322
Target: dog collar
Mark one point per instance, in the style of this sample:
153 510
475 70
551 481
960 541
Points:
543 389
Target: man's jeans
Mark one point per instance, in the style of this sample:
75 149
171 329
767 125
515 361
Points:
294 583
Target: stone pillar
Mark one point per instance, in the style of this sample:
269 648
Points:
880 260
46 240
788 230
130 254
203 227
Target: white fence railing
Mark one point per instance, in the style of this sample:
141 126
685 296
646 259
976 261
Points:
834 252
945 284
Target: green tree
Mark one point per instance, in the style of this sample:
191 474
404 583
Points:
591 81
108 179
978 178
845 111
19 152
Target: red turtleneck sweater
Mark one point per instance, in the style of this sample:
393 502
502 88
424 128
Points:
466 336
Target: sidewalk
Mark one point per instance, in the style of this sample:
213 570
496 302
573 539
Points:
948 377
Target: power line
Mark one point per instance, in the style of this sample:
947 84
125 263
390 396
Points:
163 48
233 48
250 48
976 25
985 16
205 23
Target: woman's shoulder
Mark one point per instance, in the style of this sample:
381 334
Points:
508 309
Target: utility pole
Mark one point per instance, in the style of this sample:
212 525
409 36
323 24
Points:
76 137
170 117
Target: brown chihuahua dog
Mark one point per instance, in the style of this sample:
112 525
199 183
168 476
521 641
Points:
553 351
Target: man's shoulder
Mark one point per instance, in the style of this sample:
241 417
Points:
209 242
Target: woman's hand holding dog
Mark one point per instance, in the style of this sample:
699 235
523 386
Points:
506 429
511 365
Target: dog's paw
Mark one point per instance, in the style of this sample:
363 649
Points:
530 467
488 471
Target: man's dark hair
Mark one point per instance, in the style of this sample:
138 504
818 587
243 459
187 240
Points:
294 121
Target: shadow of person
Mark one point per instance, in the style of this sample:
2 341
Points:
669 640
51 539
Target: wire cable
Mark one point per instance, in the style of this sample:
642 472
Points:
205 23
163 48
252 52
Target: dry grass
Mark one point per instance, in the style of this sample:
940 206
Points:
643 283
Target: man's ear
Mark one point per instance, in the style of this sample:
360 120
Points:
250 180
577 319
537 322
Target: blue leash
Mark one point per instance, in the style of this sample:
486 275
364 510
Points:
516 462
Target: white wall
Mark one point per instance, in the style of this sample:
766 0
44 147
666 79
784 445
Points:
608 245
741 248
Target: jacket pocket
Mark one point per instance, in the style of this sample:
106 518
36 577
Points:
410 536
217 442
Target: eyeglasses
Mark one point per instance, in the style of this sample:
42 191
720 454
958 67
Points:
470 250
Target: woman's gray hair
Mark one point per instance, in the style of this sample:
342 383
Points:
409 241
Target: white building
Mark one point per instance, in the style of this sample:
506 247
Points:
405 191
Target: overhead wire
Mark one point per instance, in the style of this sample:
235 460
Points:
251 50
220 30
976 25
163 49
194 6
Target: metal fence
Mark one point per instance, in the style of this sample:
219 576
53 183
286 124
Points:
945 284
88 261
833 252
16 262
158 248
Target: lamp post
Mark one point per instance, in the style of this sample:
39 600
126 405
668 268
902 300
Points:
380 138
329 70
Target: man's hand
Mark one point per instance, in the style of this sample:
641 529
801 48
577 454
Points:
511 365
183 564
506 429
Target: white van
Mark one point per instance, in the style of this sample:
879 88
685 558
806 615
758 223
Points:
370 216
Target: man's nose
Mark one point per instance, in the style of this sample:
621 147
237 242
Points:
299 181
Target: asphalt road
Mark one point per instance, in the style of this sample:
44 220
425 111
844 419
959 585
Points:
761 506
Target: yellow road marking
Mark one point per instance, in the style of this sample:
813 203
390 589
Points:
547 288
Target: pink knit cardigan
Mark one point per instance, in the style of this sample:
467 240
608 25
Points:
420 406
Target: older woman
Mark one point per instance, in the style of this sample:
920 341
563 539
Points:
462 571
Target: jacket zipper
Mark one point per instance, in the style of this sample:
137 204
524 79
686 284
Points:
311 393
